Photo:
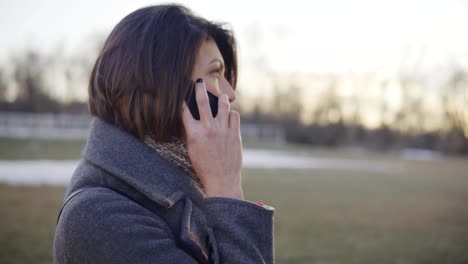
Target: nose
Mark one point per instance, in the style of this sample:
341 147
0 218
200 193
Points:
227 89
232 97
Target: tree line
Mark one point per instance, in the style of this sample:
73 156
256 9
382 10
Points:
437 122
333 120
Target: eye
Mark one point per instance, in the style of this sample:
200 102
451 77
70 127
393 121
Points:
216 72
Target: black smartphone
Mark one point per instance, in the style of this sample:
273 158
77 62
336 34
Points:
192 103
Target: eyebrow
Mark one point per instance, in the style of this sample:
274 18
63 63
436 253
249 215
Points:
217 60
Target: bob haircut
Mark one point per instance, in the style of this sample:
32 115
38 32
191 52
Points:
143 72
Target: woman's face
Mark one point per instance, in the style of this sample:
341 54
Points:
210 67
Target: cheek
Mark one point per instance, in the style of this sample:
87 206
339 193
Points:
212 85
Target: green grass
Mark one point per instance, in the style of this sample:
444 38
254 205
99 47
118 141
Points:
56 149
420 216
31 149
28 223
341 217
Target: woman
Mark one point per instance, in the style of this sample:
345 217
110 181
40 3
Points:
155 184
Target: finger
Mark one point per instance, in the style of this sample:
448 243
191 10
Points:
203 102
234 120
223 110
187 118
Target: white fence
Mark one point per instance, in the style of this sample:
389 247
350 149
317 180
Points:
44 126
68 126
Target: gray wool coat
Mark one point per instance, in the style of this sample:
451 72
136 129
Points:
140 208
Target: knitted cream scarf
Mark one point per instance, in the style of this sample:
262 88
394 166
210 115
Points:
176 152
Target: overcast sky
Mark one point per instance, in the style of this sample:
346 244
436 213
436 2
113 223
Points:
288 36
422 38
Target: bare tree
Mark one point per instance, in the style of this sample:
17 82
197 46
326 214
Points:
384 111
3 85
77 68
329 109
455 103
287 104
29 73
411 118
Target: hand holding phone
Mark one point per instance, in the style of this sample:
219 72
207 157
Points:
214 144
193 106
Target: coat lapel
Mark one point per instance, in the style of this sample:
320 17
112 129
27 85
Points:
136 164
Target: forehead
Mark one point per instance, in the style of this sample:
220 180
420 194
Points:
208 51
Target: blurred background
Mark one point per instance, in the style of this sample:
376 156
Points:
354 121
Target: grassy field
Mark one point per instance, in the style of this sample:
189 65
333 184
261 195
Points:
27 149
31 149
419 215
338 217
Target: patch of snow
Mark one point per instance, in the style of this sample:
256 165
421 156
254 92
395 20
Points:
420 154
51 172
259 158
40 172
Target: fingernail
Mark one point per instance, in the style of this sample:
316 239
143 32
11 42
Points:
199 80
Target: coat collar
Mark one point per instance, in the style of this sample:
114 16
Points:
136 164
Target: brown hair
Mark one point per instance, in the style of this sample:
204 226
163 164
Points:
143 72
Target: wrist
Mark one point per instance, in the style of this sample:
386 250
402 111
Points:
234 193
